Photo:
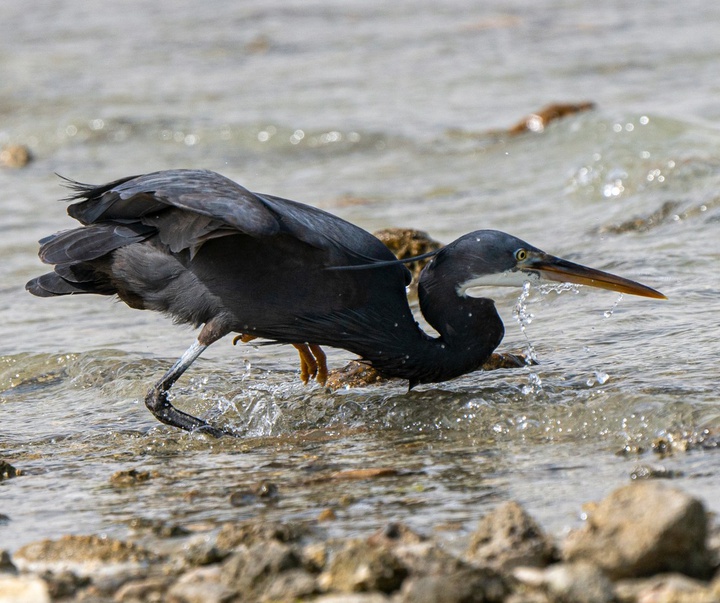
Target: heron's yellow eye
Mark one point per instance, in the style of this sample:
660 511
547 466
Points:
521 255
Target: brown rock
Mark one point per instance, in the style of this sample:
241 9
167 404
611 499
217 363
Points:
15 156
538 121
471 585
569 582
353 374
250 570
352 598
201 585
666 588
7 471
82 549
362 567
508 537
129 477
408 243
232 535
149 589
291 585
641 529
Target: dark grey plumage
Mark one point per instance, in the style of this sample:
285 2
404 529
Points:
206 251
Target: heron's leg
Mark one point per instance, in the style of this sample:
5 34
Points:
308 366
321 360
157 399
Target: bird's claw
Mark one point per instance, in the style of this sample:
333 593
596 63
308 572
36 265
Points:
243 337
313 363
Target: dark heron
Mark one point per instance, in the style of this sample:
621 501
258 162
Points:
204 250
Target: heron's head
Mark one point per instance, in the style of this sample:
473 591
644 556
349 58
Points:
493 258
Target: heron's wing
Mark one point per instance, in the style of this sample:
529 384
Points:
188 207
200 192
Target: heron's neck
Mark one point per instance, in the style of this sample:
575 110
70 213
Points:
469 330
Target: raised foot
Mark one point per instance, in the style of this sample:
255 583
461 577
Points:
158 404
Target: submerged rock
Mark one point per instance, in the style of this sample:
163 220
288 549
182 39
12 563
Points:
129 477
408 243
641 529
7 471
538 121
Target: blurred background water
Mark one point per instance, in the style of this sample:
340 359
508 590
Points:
388 114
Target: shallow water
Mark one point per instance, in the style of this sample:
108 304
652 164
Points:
388 116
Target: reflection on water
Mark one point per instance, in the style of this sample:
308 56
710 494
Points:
389 116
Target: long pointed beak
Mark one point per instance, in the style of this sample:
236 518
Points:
556 269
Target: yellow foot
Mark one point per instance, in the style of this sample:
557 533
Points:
243 338
313 363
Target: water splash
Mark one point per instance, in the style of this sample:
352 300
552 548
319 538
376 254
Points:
524 318
599 377
520 311
610 312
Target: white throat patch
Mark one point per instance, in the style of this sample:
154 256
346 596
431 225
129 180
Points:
509 278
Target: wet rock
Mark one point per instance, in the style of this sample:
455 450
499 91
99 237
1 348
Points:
6 564
200 550
678 441
250 570
653 472
263 492
201 585
7 471
291 585
641 529
408 243
353 374
353 598
129 477
146 590
643 223
64 584
362 567
569 582
357 374
23 589
327 515
538 121
470 585
81 554
394 534
158 527
15 156
503 360
667 588
233 535
315 556
508 537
